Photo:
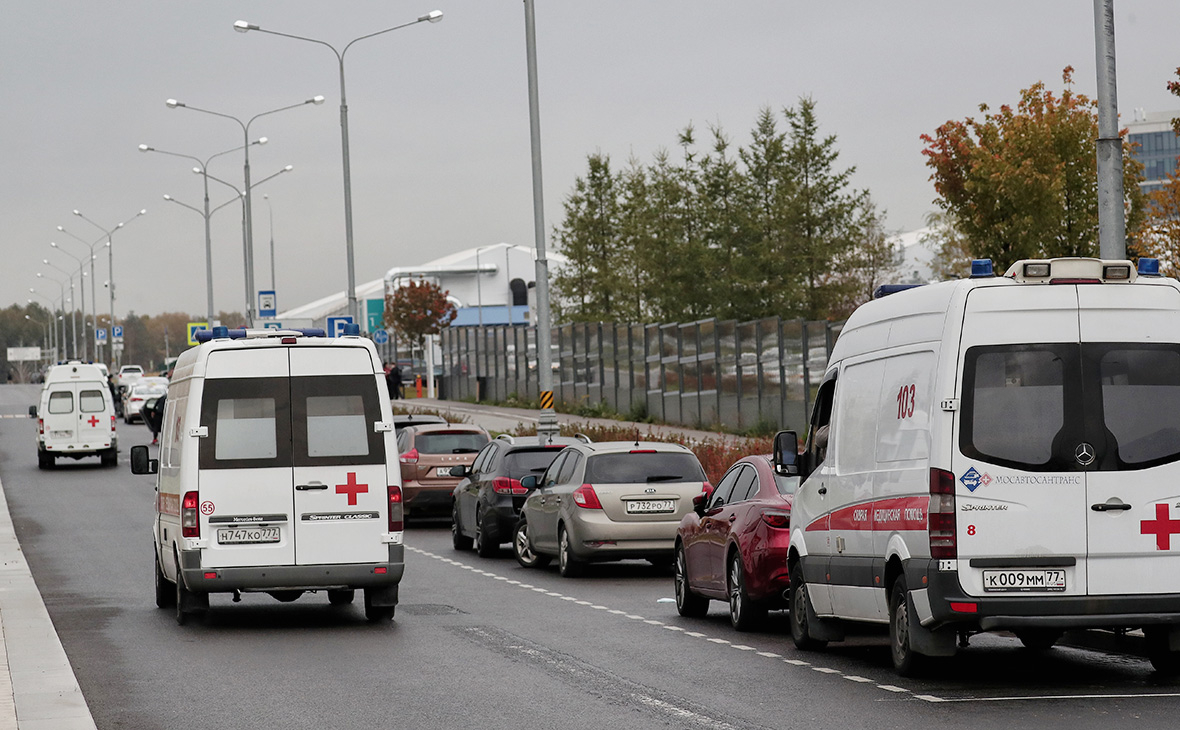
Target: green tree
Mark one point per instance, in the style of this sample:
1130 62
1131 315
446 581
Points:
589 238
1022 182
765 200
417 309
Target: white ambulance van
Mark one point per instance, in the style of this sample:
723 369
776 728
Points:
75 415
997 453
277 472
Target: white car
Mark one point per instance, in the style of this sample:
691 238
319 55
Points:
139 394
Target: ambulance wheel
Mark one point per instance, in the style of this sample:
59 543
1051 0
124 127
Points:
744 613
906 661
523 550
459 541
187 603
1163 659
688 604
341 597
484 547
377 613
165 593
567 564
1038 639
798 619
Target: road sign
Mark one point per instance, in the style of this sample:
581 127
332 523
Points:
117 333
193 327
374 314
272 325
380 337
336 325
266 304
100 335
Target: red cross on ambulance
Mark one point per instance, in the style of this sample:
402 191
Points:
93 421
1163 527
351 488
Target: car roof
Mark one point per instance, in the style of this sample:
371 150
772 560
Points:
445 427
625 447
402 420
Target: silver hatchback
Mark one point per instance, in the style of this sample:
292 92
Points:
607 501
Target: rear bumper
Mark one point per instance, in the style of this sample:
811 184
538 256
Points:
290 577
1017 611
422 499
596 537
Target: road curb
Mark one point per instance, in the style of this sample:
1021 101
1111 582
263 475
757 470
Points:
38 689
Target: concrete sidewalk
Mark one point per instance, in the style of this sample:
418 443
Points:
38 690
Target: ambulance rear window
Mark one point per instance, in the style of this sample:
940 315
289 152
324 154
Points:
91 401
1141 400
61 402
246 429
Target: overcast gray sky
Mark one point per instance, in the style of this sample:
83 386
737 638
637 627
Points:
439 115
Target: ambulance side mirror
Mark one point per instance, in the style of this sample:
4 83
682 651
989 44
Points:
140 463
786 453
32 411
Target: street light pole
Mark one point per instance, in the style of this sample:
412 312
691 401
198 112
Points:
52 324
271 211
93 284
111 270
248 225
73 320
432 17
204 167
81 291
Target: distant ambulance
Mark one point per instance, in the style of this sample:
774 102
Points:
277 472
75 416
997 453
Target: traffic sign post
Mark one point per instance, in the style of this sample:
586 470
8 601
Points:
193 328
117 333
267 306
100 336
380 337
336 325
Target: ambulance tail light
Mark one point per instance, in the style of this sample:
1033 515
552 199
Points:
41 426
396 523
112 422
190 524
941 515
410 457
586 498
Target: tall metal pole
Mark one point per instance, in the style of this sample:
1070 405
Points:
271 211
547 423
1112 234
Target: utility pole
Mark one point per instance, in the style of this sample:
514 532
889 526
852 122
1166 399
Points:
1112 231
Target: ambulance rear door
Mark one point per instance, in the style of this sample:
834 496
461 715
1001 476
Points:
341 497
1021 507
1131 371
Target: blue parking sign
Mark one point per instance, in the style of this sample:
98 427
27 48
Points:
336 325
100 335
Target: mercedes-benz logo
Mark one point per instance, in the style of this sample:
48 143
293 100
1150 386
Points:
1084 453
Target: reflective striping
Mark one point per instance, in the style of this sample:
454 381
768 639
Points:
546 399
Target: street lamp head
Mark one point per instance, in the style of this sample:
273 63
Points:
242 26
44 261
77 212
432 17
172 103
167 197
198 170
53 244
262 140
61 228
142 211
317 100
288 168
145 148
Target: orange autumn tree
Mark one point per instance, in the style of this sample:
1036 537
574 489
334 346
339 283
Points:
417 309
1023 182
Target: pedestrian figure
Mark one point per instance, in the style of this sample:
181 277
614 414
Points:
393 377
153 416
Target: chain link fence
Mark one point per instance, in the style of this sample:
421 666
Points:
739 375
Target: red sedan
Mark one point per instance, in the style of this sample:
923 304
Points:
733 546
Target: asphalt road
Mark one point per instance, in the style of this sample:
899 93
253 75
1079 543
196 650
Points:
483 643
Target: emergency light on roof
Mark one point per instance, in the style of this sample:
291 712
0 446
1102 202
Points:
981 268
886 289
1071 271
225 333
1149 267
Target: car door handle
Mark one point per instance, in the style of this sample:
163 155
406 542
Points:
1105 507
309 487
822 490
558 500
732 518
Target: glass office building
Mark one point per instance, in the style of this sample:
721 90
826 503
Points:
1157 146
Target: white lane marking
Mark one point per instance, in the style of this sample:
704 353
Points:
683 714
688 714
1015 698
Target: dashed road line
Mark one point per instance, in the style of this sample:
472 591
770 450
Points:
694 634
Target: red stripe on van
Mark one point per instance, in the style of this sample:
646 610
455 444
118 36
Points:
884 515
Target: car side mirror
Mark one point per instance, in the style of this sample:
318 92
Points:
786 453
32 411
459 471
698 504
529 482
140 463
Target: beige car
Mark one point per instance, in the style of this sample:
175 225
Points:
427 453
607 501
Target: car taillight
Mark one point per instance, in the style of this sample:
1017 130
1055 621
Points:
410 457
777 518
941 515
136 400
395 508
112 423
190 525
706 488
41 426
585 497
505 485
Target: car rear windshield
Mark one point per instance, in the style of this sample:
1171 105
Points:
450 442
651 466
522 463
1033 407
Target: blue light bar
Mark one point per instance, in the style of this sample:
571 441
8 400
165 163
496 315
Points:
352 329
981 268
1149 267
886 289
